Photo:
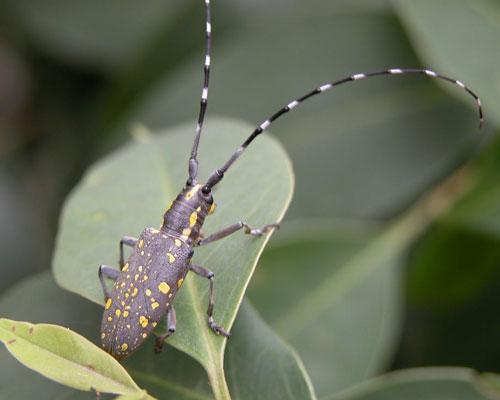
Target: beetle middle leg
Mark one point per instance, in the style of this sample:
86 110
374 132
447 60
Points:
129 241
236 227
171 324
108 272
205 273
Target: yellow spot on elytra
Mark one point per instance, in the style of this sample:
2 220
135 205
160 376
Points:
128 326
177 242
110 318
140 268
125 268
193 218
171 258
127 307
154 305
145 278
123 304
124 346
118 312
103 335
134 293
125 314
136 277
143 321
126 295
141 244
144 335
211 210
152 300
148 292
179 282
142 252
154 324
108 303
163 287
123 284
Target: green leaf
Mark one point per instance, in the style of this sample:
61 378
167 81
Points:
340 299
170 375
260 365
64 356
421 383
129 190
103 35
466 45
362 150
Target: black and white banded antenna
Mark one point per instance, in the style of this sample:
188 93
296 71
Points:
218 174
193 160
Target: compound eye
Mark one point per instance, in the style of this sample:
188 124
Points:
205 190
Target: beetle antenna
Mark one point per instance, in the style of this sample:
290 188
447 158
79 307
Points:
218 174
193 161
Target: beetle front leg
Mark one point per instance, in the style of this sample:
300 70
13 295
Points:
129 241
205 273
171 324
108 272
236 227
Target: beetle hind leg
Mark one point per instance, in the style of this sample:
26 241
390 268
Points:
205 273
171 324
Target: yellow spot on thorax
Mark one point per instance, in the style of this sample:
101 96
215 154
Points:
144 335
124 346
145 278
211 210
110 318
143 321
141 244
177 242
179 282
142 252
136 277
163 287
154 324
103 335
108 304
192 192
193 218
140 268
125 268
185 233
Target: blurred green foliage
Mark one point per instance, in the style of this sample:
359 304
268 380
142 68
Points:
75 76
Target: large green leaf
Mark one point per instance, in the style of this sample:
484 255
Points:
93 33
339 300
170 375
129 190
461 37
64 356
364 149
425 383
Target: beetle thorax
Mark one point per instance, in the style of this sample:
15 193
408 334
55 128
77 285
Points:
185 216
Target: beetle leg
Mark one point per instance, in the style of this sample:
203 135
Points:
236 227
129 241
108 272
205 273
171 324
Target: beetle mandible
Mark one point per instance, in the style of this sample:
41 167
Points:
147 283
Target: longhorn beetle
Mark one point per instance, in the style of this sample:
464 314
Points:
149 280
